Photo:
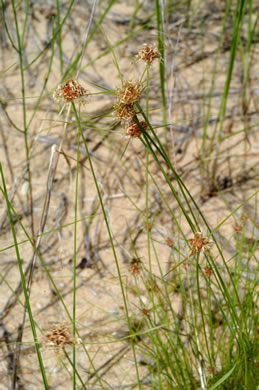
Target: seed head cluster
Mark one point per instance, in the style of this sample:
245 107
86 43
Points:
127 96
60 335
130 92
124 111
135 266
148 54
208 271
70 91
199 243
145 312
134 130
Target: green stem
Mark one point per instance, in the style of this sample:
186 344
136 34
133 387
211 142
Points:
23 281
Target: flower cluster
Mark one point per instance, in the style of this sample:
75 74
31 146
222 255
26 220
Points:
70 91
134 130
60 335
130 92
124 111
199 243
127 95
135 266
208 271
148 54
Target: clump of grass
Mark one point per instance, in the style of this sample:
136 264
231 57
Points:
189 307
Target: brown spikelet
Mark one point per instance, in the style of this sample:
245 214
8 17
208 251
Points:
70 91
59 336
148 54
135 266
130 92
134 130
199 243
124 111
208 271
